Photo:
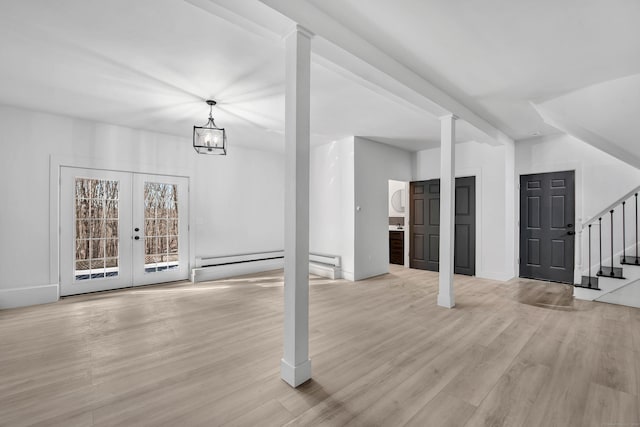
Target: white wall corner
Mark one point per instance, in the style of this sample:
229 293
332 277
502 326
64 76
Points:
33 295
511 211
348 276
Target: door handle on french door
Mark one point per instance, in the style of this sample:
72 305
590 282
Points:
137 237
136 229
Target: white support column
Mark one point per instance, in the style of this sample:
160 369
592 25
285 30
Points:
447 209
295 367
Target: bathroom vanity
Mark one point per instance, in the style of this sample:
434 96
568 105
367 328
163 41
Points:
396 247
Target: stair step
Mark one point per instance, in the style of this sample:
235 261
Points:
589 284
607 272
630 260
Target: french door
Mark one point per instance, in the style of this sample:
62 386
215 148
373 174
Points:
121 229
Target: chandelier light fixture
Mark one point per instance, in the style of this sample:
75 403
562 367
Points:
210 139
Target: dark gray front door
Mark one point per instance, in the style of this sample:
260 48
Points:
425 225
547 230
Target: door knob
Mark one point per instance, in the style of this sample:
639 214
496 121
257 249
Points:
136 229
571 233
568 225
137 237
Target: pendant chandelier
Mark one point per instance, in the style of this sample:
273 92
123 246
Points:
210 139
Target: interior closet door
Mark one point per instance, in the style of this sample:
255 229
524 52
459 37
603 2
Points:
424 229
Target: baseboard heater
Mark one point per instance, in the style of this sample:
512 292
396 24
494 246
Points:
221 267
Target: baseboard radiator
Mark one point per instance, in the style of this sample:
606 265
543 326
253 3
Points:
221 267
328 266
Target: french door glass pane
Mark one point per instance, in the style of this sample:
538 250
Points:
96 230
160 227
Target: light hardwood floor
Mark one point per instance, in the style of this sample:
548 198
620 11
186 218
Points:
509 354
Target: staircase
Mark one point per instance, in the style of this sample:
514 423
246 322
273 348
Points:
610 249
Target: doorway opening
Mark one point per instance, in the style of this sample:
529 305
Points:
398 222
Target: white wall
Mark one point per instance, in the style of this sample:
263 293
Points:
375 165
487 164
603 177
349 202
331 202
236 201
600 180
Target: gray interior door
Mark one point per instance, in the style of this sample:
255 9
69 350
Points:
424 250
547 231
465 230
424 228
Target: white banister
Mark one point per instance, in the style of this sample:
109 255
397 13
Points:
605 211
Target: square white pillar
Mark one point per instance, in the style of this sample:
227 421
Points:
447 210
295 367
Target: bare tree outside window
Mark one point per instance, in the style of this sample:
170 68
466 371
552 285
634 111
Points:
97 228
96 213
160 226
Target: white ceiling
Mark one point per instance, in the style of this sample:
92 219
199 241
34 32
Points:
604 115
150 63
497 55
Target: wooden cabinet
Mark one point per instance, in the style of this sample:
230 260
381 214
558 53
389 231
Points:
396 247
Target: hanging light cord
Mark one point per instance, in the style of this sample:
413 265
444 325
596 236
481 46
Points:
211 121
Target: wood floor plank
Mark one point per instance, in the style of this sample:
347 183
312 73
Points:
615 364
402 403
510 401
609 407
444 411
271 413
476 380
562 399
383 354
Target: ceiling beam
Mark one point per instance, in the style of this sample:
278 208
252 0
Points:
436 100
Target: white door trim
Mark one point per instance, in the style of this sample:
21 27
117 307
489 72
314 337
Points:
560 166
57 162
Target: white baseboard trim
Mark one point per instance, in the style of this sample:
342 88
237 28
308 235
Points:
346 275
231 270
325 270
224 271
32 295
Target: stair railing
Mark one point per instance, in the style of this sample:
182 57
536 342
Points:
610 270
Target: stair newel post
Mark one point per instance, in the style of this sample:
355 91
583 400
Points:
612 273
637 261
600 243
589 265
624 232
